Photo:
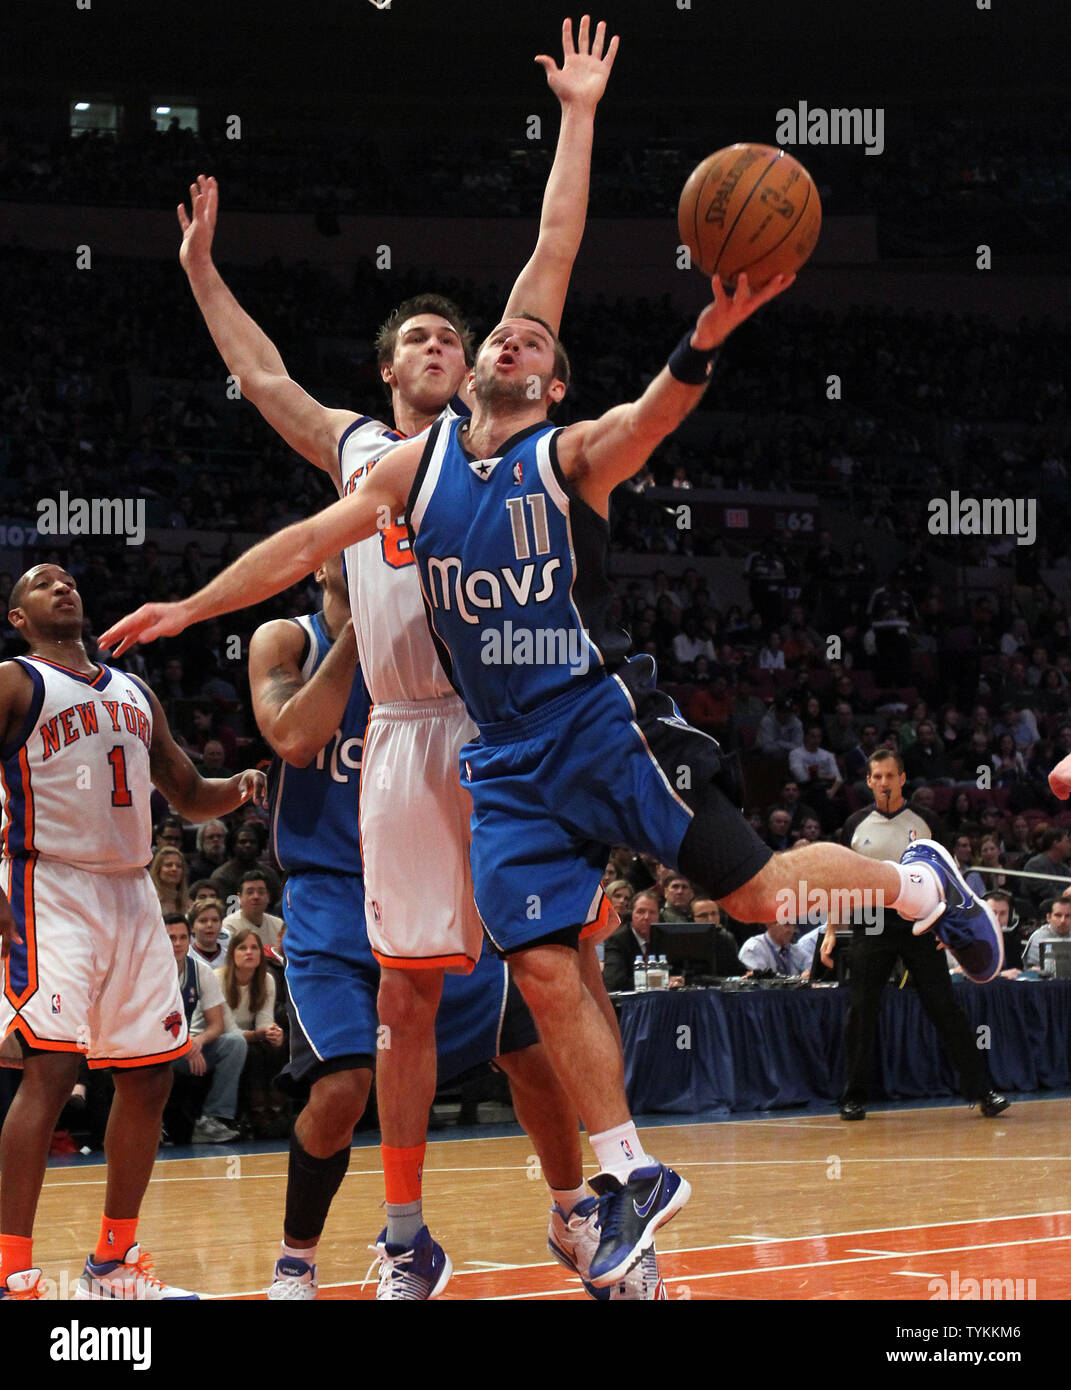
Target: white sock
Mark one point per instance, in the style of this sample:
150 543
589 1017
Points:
619 1151
566 1199
291 1252
920 890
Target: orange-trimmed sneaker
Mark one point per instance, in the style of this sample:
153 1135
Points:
131 1278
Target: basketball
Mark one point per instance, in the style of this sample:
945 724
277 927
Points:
749 208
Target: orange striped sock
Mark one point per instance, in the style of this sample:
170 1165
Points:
117 1235
403 1170
16 1253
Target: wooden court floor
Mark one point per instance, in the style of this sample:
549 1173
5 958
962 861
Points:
788 1207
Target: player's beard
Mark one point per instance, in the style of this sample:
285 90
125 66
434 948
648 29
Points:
510 394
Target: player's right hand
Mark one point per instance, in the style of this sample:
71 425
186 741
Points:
152 620
728 311
197 232
9 932
1060 779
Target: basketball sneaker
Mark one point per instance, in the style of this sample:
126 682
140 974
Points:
962 923
630 1214
294 1279
24 1284
418 1272
130 1278
573 1242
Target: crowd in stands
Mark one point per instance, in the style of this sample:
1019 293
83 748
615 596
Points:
939 170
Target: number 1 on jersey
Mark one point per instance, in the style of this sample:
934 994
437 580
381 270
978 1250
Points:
120 791
538 504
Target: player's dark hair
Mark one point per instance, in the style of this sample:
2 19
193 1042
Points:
881 755
17 591
387 336
561 357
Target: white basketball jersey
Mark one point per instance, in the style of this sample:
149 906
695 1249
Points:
74 781
397 654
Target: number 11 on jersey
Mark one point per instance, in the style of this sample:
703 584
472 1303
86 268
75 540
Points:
538 505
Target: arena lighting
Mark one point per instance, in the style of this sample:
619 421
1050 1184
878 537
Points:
163 110
81 105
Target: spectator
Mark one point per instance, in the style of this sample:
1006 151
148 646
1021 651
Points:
773 950
629 941
213 1051
1054 846
249 992
211 851
168 874
779 731
964 855
212 760
792 801
207 727
690 643
168 833
778 833
209 941
1057 927
771 657
679 895
620 892
925 760
1008 762
990 857
726 960
252 914
1003 908
248 846
841 734
856 760
815 769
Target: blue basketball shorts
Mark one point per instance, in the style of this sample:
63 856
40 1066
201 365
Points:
333 981
610 763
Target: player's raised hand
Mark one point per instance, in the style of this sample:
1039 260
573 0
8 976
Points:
253 786
198 229
1060 779
152 620
581 80
728 311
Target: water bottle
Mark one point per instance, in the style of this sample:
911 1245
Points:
639 974
663 965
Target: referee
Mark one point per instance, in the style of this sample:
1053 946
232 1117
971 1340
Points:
884 831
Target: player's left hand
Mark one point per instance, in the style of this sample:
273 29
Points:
728 311
253 785
152 620
581 80
1060 779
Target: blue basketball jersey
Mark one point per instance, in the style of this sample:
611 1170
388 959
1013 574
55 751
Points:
512 564
314 809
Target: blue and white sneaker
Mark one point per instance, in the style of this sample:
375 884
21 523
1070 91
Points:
132 1278
962 922
294 1280
573 1242
630 1215
418 1272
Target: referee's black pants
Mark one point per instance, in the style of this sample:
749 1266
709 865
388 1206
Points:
871 962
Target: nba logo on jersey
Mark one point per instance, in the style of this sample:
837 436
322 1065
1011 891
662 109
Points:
518 473
468 771
375 912
912 836
56 1003
627 1149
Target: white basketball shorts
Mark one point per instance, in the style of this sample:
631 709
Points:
95 972
415 830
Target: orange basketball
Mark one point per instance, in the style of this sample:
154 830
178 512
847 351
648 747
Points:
749 207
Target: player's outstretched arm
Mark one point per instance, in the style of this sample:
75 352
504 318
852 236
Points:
191 795
599 454
310 428
281 560
1060 778
578 84
299 717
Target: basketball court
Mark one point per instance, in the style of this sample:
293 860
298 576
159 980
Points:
789 1206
